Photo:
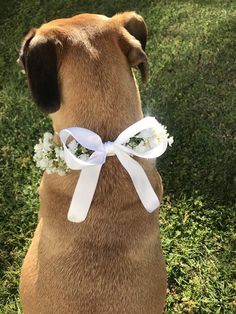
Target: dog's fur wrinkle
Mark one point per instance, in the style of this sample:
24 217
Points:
113 261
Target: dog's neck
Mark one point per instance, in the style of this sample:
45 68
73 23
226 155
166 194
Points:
106 109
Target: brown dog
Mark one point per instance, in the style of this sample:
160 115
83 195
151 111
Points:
79 71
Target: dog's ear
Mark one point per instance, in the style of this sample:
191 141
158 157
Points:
133 40
39 58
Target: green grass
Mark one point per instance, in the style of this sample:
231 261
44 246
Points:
192 90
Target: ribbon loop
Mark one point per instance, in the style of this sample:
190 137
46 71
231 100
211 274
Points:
90 169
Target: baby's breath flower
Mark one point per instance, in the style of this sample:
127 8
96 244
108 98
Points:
47 141
47 136
73 146
145 134
59 152
43 163
141 148
84 157
153 142
149 139
61 172
51 158
38 147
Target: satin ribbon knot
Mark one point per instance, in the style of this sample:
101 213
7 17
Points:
90 169
109 148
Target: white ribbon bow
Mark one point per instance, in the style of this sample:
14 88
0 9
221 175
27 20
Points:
90 169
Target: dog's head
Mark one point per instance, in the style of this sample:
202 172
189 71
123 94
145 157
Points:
66 52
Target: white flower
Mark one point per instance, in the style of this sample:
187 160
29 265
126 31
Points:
47 141
59 152
84 157
61 172
145 134
49 156
38 147
62 155
153 142
140 148
160 133
51 170
47 136
43 163
152 138
128 146
46 146
72 146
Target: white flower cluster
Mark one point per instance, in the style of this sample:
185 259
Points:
49 156
150 138
73 146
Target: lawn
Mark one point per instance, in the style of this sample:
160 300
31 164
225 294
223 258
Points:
192 90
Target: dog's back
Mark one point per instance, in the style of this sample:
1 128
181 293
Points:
112 262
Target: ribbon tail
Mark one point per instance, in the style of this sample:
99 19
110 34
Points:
140 180
83 194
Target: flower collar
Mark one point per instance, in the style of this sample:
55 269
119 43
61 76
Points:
146 138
